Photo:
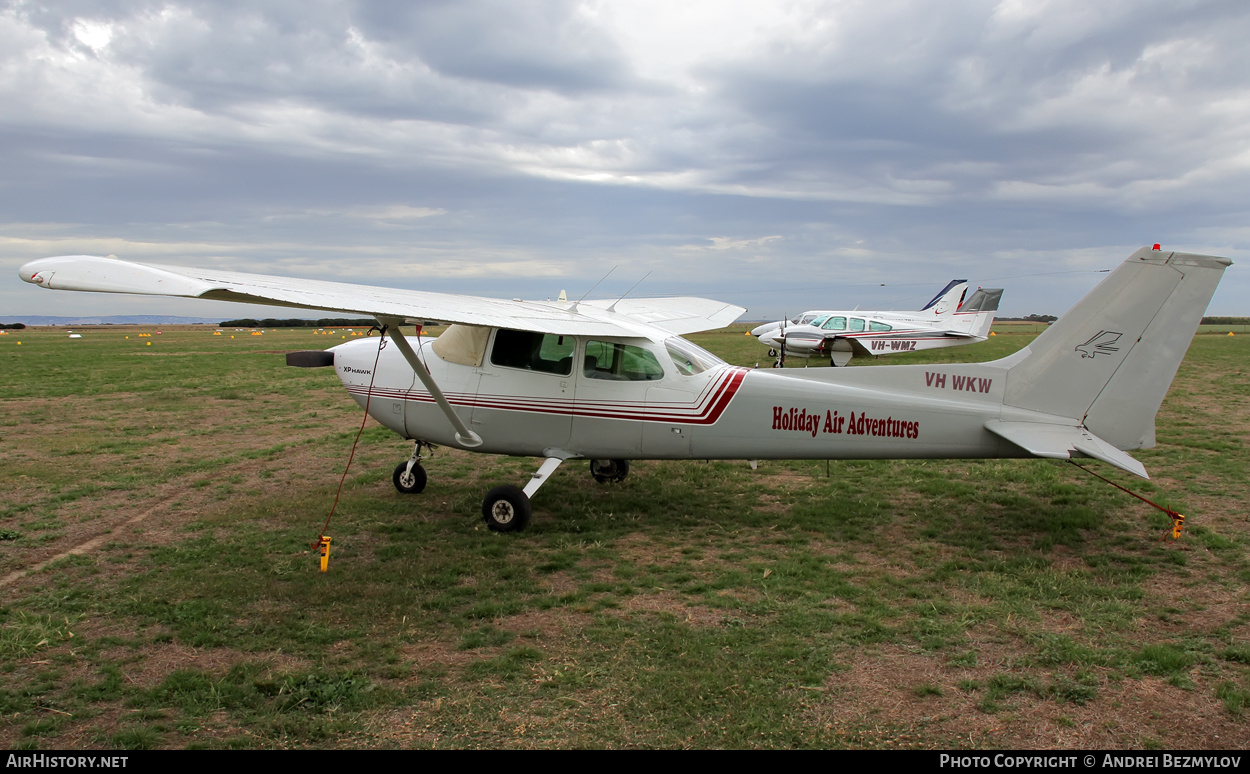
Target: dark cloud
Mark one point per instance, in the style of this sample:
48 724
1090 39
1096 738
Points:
448 61
972 103
509 147
528 44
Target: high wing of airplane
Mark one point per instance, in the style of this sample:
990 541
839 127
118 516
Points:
946 321
613 381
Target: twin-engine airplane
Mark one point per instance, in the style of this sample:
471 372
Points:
946 321
614 381
947 300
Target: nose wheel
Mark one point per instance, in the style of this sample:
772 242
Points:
409 477
409 480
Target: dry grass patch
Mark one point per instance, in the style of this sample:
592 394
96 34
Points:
894 697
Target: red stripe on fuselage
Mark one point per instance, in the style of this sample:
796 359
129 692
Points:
706 409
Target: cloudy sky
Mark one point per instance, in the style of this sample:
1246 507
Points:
778 155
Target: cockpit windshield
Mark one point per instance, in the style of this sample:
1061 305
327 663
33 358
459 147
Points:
690 359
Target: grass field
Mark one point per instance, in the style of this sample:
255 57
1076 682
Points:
159 493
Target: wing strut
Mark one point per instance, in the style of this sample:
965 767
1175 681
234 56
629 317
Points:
464 435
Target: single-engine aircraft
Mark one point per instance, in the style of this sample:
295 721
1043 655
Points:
946 321
613 381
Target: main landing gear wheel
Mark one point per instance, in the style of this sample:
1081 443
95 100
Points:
409 482
506 509
605 471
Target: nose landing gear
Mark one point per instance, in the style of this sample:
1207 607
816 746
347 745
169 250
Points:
409 477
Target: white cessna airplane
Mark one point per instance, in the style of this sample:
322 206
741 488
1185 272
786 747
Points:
614 381
946 321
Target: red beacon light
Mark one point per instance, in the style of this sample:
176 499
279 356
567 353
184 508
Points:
1156 247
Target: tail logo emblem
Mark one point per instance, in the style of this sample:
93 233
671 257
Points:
1102 342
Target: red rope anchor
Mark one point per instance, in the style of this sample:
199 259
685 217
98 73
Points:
1178 520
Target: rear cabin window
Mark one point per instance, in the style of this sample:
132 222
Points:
873 325
543 352
620 362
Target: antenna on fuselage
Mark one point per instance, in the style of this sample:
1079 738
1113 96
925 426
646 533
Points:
573 308
627 292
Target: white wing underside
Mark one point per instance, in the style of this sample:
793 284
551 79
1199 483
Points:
110 275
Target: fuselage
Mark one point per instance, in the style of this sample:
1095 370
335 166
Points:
657 405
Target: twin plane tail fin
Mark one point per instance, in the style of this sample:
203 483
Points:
979 310
1109 361
947 300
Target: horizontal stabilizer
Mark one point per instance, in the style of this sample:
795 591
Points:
1063 442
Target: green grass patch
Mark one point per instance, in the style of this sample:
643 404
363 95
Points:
694 604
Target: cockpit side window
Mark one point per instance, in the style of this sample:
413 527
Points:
543 352
690 358
620 362
834 324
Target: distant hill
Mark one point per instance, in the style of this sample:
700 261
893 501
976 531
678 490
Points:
1033 318
117 319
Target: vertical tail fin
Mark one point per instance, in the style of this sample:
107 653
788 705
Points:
947 300
1109 361
978 312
